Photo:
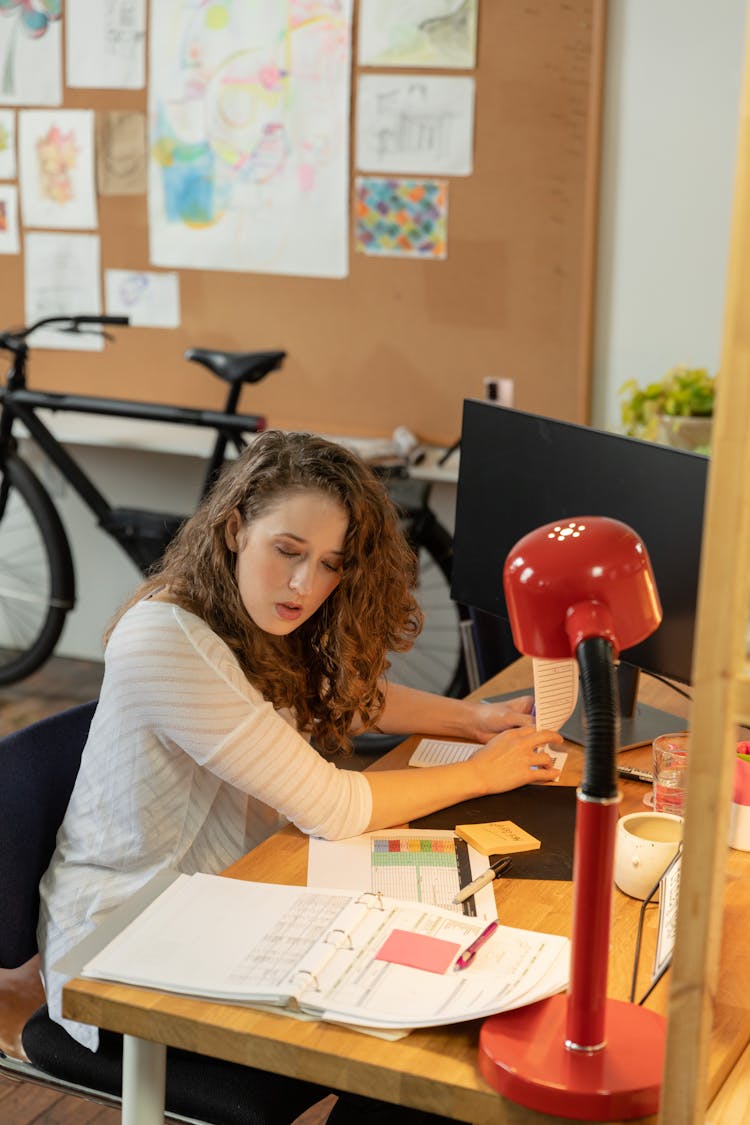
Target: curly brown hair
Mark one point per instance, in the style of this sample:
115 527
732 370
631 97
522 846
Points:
327 670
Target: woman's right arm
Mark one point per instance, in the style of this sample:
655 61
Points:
508 761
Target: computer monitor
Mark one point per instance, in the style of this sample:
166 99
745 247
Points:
520 470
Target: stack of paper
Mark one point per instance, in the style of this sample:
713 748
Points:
326 953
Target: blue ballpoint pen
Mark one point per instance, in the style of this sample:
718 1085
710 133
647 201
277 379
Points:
464 959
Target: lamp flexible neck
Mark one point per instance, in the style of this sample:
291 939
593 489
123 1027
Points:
598 686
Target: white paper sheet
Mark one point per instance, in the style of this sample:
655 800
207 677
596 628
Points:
7 144
436 33
151 300
62 278
249 161
105 43
440 752
415 124
31 61
56 163
555 692
9 242
355 864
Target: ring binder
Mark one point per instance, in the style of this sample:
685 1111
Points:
318 952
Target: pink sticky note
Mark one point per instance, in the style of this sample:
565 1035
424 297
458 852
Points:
419 951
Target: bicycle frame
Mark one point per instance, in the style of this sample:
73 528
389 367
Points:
143 534
22 404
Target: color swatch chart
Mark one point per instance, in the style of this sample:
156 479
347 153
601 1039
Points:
420 868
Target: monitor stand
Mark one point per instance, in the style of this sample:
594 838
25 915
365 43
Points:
639 724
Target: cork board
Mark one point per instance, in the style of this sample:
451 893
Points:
400 342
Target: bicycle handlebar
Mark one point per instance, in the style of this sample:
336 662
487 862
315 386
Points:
13 339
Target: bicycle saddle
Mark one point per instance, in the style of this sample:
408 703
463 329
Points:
237 367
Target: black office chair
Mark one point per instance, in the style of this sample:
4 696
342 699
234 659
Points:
38 768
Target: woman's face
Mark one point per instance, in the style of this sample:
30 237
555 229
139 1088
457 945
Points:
289 559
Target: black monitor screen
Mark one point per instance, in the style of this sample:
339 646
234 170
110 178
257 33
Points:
519 471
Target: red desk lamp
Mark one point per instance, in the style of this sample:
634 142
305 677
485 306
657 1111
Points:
582 587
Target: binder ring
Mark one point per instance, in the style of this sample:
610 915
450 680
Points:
345 943
313 978
372 894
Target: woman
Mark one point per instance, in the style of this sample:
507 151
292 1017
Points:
267 626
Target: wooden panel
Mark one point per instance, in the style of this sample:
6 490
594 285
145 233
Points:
402 341
720 693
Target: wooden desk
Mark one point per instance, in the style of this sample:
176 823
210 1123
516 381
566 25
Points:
433 1069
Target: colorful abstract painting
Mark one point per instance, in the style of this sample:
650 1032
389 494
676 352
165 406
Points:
9 241
7 144
401 218
56 163
30 52
249 126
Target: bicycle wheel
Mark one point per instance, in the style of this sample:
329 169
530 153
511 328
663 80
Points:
435 662
37 586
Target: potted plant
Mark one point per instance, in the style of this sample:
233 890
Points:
676 410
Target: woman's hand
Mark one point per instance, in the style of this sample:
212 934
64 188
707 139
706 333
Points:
515 758
488 719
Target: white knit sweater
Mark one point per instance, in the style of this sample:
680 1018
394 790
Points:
186 767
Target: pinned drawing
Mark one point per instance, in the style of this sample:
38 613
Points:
401 218
121 152
61 277
7 144
150 300
249 126
30 52
420 125
105 43
436 33
8 219
56 168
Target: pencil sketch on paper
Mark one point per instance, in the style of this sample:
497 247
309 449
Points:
105 43
121 152
30 52
415 124
7 144
401 217
61 277
436 33
57 168
249 126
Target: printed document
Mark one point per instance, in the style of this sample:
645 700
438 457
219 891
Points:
325 953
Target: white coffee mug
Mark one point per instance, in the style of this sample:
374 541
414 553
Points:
645 843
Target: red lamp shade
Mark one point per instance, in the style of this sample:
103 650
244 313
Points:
585 577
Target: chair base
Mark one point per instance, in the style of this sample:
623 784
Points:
19 1071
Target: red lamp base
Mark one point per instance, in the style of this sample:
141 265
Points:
522 1054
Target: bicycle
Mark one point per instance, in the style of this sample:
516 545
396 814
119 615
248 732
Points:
37 579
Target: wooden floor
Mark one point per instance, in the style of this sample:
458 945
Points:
59 684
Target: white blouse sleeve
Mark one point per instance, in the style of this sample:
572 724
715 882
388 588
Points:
194 697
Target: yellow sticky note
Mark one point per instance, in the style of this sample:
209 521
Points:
498 836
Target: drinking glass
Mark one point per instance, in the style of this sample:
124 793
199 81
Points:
670 772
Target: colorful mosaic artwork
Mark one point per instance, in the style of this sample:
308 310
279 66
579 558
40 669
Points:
401 217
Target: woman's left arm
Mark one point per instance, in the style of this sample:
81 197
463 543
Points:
408 711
